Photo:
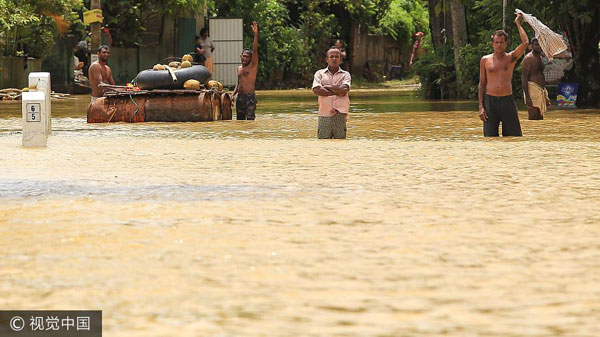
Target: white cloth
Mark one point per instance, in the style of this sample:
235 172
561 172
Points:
554 70
207 46
76 72
539 96
551 42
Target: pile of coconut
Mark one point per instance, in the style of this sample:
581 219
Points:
186 62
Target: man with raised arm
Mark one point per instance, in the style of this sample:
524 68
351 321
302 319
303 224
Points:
100 73
496 103
245 103
534 82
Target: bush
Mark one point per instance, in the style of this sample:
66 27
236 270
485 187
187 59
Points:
31 27
438 77
295 35
403 18
469 60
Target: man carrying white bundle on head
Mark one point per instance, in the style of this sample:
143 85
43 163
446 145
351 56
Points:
534 83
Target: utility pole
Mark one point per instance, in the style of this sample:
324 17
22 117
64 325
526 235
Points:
504 14
95 27
459 39
506 22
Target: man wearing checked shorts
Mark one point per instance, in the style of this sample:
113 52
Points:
496 103
332 85
245 102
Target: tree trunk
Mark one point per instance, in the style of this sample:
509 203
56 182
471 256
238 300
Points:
95 28
459 37
584 39
507 21
439 20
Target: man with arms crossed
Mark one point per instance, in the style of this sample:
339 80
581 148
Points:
332 85
245 103
100 73
534 83
496 103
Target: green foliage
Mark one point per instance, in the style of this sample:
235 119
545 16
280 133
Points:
437 74
283 54
366 11
125 22
318 29
295 35
469 60
31 27
38 37
580 19
485 16
169 7
403 18
124 17
12 16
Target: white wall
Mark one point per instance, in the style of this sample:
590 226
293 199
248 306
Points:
227 36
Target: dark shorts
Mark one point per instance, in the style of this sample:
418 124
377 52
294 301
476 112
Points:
245 106
534 113
332 127
501 109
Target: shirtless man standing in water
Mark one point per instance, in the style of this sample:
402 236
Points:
496 103
245 103
100 73
534 82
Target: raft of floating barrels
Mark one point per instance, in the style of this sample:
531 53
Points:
178 92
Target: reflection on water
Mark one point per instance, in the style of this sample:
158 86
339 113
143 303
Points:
414 226
376 114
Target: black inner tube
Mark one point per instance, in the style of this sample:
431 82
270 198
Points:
161 79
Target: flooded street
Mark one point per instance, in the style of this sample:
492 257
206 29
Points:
414 226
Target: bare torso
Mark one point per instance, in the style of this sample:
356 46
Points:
498 71
247 78
99 73
247 71
535 68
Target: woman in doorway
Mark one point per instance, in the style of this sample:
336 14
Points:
205 47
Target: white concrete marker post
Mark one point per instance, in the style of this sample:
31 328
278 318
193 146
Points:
37 111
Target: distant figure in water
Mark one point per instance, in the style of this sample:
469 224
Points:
100 73
415 48
534 83
245 102
339 44
81 52
496 102
332 85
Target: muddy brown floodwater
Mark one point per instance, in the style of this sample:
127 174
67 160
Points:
414 226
